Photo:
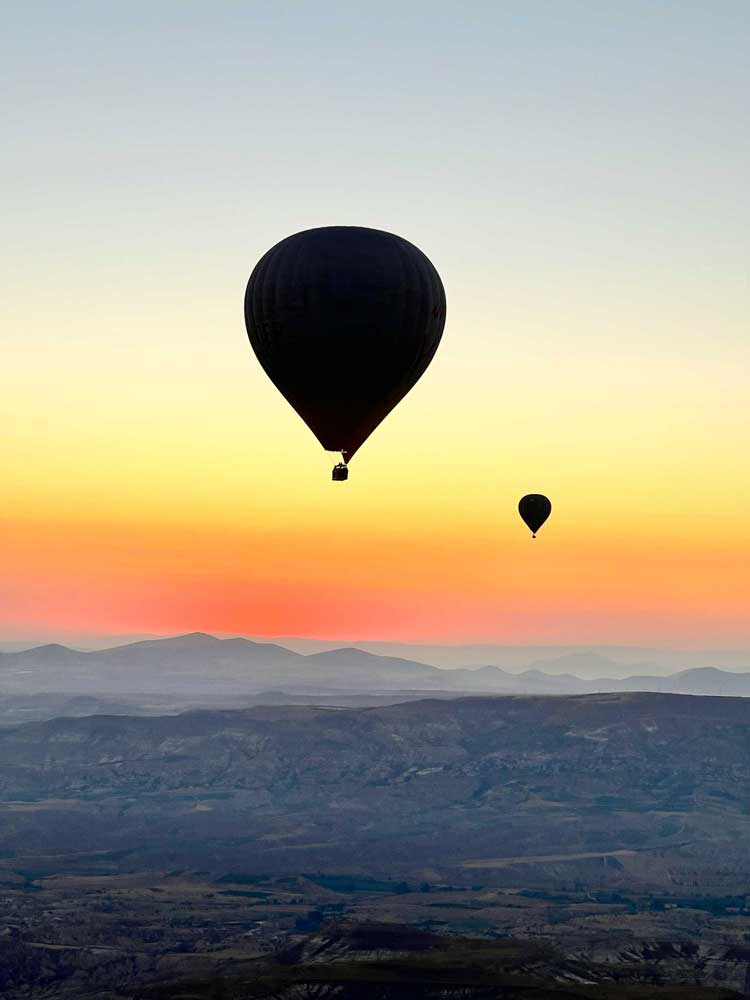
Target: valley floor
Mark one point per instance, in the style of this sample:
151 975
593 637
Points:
90 930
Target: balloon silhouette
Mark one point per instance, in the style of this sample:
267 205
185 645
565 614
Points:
534 509
344 321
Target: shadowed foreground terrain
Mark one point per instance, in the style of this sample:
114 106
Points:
393 962
575 846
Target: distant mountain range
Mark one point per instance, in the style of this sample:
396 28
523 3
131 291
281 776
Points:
588 662
201 669
584 661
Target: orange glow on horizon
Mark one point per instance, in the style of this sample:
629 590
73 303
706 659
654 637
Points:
405 582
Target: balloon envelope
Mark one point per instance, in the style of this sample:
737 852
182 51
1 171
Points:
534 509
344 321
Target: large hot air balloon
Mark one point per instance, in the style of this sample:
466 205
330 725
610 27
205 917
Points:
534 509
344 321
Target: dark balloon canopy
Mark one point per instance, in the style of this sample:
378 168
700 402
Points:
534 509
344 321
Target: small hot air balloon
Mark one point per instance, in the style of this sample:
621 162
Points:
534 509
344 321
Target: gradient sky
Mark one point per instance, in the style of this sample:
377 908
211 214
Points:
577 172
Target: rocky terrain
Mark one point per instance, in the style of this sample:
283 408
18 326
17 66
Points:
104 933
558 844
635 779
396 962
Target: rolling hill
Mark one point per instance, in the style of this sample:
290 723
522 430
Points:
625 776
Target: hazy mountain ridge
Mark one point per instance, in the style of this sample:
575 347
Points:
588 661
199 666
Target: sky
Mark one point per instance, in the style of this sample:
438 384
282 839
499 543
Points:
577 172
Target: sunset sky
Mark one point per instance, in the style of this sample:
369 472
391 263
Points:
577 171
